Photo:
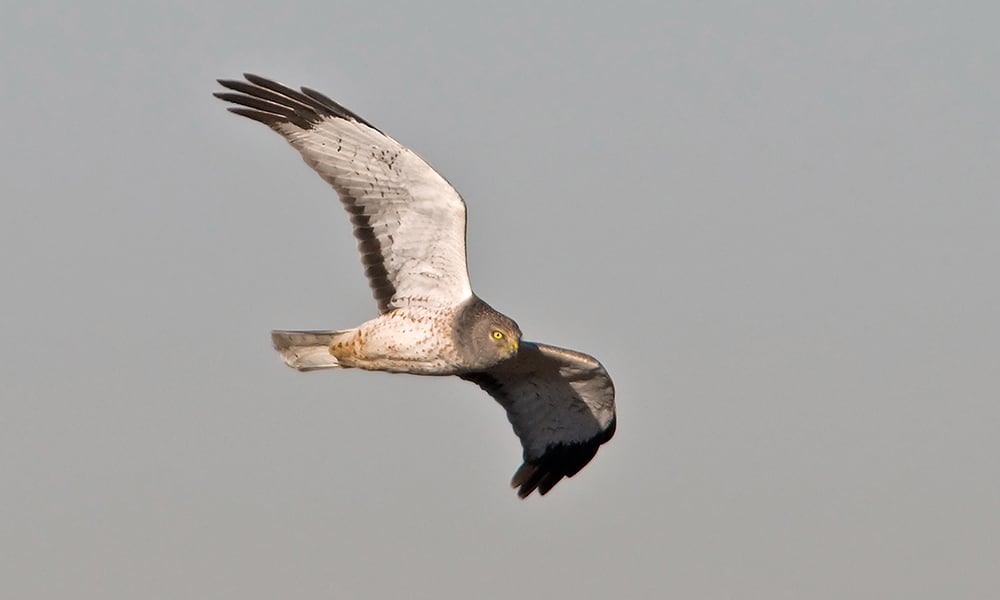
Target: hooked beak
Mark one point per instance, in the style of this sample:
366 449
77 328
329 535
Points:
513 346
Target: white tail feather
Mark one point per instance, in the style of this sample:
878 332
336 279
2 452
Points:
307 350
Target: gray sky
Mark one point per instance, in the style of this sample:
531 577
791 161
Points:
777 227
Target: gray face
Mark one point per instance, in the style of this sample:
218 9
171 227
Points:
484 336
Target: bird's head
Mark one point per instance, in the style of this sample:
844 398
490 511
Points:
506 336
485 337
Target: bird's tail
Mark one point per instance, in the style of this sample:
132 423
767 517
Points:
308 350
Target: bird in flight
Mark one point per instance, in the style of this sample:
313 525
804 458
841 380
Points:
410 228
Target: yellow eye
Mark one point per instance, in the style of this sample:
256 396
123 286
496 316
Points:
497 335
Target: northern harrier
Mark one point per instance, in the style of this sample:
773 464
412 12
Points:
410 227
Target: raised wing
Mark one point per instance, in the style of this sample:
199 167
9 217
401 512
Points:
562 406
409 221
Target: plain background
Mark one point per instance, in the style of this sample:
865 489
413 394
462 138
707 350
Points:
777 226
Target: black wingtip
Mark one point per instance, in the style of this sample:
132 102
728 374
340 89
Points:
262 117
301 108
559 461
522 480
258 79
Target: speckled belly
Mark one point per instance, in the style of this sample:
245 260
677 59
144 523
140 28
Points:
407 340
